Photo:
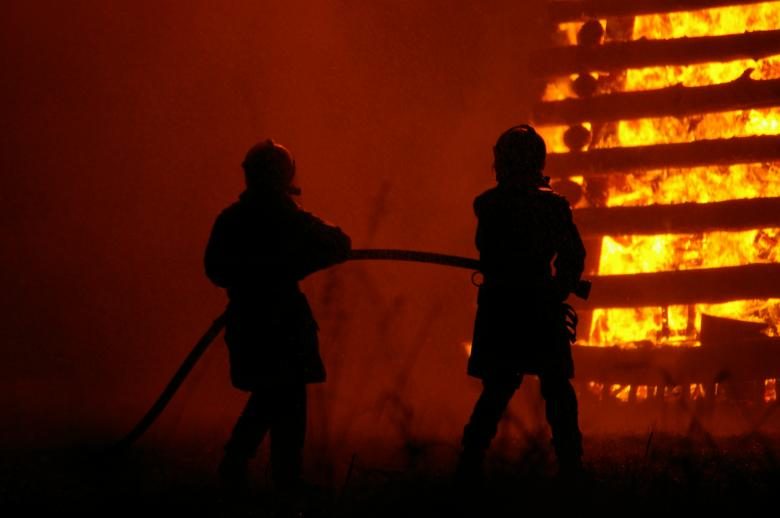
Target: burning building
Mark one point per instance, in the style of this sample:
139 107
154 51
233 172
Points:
663 122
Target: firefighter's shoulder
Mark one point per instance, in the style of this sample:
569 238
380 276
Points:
228 215
315 223
554 199
485 199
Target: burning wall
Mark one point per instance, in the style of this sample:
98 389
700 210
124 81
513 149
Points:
688 102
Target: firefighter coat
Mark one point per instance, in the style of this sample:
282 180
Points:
259 249
531 257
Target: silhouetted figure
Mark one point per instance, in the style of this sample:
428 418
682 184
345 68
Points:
260 247
532 257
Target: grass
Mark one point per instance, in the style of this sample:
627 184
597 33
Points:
626 475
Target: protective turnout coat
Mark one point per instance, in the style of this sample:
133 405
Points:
260 247
524 233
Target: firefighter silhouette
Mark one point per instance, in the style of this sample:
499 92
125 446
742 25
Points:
259 248
531 258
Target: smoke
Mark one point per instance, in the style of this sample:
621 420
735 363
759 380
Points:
124 127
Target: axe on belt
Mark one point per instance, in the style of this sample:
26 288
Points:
582 291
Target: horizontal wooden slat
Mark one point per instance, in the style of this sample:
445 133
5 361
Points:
574 10
680 218
678 101
755 281
620 55
743 150
743 360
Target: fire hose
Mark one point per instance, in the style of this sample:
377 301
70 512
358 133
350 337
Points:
583 290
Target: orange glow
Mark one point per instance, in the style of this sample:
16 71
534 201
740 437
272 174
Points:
680 325
635 254
620 392
709 22
770 390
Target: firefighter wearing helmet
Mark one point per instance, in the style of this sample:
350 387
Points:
532 258
259 249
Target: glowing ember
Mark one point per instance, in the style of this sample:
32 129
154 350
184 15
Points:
770 390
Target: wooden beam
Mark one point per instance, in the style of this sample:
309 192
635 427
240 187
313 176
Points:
577 10
678 101
741 360
711 285
619 55
742 150
680 218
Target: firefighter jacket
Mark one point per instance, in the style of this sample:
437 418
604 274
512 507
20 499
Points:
531 257
259 250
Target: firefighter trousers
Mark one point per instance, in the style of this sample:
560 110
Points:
280 410
560 409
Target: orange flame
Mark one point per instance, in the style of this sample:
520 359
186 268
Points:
635 254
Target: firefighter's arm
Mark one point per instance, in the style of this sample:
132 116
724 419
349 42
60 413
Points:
219 259
570 260
322 245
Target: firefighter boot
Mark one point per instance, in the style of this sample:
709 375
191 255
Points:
233 474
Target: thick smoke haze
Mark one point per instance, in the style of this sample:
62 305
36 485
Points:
124 124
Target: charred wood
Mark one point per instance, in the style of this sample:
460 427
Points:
710 285
741 360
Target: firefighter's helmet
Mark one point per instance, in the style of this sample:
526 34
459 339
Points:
520 150
270 166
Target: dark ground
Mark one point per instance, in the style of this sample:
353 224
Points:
625 475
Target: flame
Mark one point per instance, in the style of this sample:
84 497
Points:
679 325
635 254
695 185
740 123
770 390
620 392
710 22
716 21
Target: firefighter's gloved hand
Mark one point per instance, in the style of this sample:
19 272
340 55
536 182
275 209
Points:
561 292
342 245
